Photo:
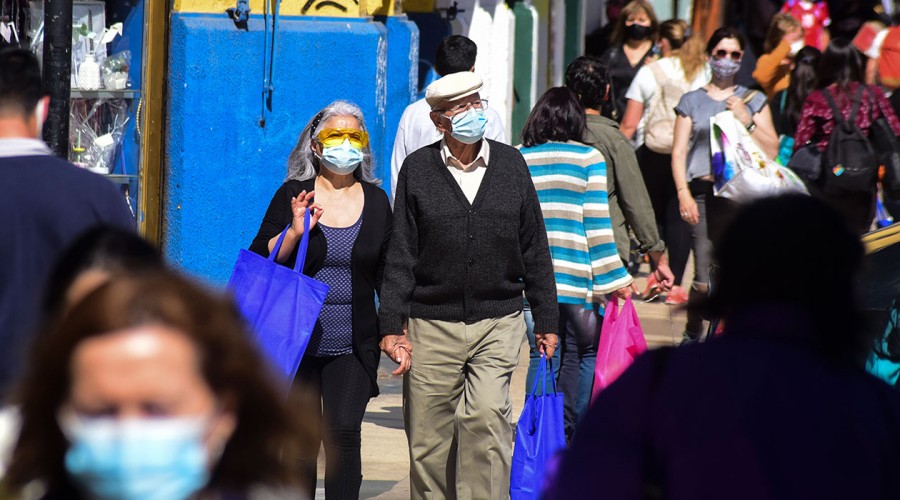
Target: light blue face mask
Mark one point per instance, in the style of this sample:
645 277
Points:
342 159
137 459
468 127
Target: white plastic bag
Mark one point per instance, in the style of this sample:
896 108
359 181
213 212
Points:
740 169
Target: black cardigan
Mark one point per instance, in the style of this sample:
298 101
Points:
366 260
455 261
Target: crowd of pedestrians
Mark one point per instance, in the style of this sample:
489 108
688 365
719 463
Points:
141 383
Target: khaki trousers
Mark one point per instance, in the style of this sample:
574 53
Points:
457 408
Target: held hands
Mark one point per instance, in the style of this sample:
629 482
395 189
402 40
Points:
398 348
664 276
546 343
687 207
299 204
741 113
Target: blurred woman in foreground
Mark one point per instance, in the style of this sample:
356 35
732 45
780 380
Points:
151 388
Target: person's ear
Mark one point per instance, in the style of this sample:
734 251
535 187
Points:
316 147
438 123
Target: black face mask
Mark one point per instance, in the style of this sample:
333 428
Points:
638 32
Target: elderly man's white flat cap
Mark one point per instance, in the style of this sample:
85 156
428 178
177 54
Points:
452 87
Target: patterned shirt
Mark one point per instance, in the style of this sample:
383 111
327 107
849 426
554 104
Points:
570 180
817 121
333 334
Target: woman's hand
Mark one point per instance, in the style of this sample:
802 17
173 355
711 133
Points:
398 348
299 204
741 113
623 293
546 343
687 207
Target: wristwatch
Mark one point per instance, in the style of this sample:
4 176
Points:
751 127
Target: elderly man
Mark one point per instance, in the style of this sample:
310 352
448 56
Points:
454 54
469 238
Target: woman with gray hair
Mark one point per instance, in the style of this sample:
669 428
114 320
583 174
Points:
329 173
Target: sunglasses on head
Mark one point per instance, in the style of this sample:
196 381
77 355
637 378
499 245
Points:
330 137
736 55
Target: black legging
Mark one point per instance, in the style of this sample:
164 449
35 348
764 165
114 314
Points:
344 389
656 168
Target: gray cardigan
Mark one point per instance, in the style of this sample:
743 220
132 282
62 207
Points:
455 261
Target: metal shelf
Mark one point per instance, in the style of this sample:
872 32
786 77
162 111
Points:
104 94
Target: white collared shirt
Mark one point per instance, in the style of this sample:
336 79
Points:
469 176
23 146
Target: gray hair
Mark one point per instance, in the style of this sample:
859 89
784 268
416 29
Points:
302 163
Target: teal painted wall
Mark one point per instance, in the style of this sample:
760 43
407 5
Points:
524 69
222 167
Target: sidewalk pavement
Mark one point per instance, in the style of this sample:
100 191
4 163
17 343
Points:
385 456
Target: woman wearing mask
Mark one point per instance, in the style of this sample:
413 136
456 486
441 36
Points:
570 179
632 46
691 165
841 76
150 388
330 173
786 104
783 41
652 97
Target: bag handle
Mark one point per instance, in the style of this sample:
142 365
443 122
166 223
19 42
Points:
546 363
304 243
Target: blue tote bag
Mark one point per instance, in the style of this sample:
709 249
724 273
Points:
540 435
280 304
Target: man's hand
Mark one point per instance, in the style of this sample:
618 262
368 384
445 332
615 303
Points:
546 343
664 277
398 348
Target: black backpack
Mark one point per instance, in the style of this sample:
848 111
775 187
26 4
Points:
850 162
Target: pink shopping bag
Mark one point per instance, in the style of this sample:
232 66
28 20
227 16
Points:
621 341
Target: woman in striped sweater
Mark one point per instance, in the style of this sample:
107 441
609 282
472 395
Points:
570 179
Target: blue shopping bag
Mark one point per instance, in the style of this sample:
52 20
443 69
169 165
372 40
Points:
540 435
280 304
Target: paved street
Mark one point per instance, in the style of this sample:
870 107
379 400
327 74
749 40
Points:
384 451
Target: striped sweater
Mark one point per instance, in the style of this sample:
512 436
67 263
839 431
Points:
570 179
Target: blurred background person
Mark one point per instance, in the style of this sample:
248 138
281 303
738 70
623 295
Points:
150 388
841 74
330 173
45 203
691 165
570 180
649 120
753 405
787 104
783 41
630 209
814 19
631 47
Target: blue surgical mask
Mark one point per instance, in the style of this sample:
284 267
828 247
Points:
468 127
342 159
137 459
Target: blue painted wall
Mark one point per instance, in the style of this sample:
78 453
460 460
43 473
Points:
402 75
222 168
